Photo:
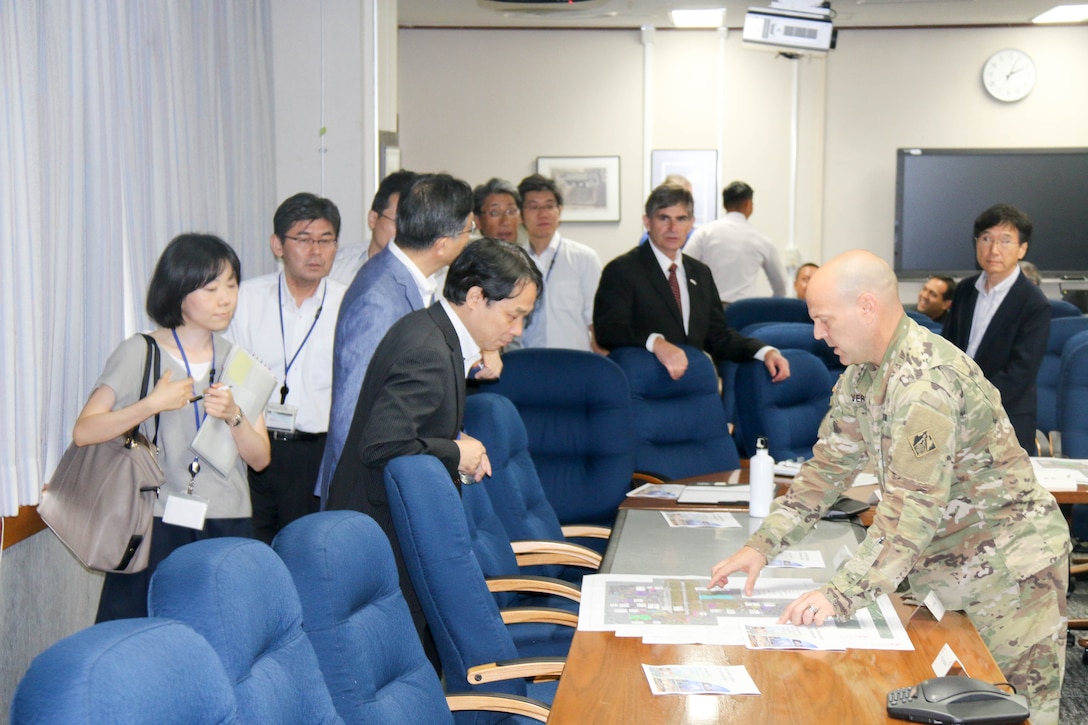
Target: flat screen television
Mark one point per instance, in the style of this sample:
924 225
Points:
939 192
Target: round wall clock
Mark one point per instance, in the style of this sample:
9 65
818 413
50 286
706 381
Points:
1009 75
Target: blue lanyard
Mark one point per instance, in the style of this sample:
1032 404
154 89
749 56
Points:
194 467
551 264
283 337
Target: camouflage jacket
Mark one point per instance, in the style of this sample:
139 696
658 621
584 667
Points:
960 500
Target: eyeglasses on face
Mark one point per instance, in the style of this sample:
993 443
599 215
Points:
496 213
989 240
309 242
471 230
541 207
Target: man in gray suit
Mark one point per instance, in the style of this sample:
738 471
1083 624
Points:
433 226
413 397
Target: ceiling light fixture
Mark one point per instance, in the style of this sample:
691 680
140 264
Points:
1063 14
712 18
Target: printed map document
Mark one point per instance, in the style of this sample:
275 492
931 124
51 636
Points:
701 519
679 609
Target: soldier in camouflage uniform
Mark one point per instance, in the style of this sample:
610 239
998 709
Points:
962 514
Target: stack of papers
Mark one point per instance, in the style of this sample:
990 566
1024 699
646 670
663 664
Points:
1060 474
715 493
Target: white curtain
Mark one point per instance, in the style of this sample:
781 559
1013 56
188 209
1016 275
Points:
124 123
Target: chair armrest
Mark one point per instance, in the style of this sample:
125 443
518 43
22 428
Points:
535 551
640 477
535 584
545 667
591 531
498 702
545 615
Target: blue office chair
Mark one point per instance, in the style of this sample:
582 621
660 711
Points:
239 595
1063 308
742 313
1062 330
797 336
469 631
127 672
925 321
576 408
1072 396
788 413
680 425
356 618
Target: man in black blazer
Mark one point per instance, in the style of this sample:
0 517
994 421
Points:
413 396
1002 320
636 305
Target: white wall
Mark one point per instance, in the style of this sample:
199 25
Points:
922 88
323 74
479 103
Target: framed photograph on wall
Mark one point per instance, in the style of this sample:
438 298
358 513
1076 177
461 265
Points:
590 186
700 167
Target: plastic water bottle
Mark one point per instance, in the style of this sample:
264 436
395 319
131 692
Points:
761 480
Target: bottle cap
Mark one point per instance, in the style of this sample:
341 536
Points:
761 442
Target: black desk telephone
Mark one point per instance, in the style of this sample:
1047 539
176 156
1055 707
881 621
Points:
955 700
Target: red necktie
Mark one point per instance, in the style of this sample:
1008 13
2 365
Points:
674 285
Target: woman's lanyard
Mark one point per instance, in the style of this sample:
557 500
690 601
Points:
194 467
283 337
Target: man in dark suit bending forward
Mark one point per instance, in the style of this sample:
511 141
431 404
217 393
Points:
657 298
413 396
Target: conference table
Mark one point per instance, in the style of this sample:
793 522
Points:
604 682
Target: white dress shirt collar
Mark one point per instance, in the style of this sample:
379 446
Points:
427 286
470 351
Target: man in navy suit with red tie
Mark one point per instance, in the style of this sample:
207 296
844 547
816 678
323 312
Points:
658 298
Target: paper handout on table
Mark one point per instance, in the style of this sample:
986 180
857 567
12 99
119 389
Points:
787 636
715 493
701 519
797 559
1060 474
700 680
657 490
251 383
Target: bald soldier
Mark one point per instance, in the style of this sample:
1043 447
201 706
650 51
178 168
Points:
961 515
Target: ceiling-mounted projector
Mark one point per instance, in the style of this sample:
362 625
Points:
785 27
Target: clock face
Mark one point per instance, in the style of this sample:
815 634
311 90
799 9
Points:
1009 75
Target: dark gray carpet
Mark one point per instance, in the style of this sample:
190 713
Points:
1075 687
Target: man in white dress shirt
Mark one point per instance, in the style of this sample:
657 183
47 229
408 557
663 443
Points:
382 220
735 251
287 320
564 315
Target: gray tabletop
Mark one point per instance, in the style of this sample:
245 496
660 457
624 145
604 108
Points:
642 542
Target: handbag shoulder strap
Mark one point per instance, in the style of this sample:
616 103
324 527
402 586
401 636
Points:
152 363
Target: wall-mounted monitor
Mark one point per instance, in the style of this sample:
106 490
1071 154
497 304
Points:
939 192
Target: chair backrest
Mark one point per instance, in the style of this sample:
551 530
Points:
742 313
355 616
1046 380
788 413
680 425
1073 397
797 336
1063 308
925 320
461 613
576 408
514 486
127 672
239 595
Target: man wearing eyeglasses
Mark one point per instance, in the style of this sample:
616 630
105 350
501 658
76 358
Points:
382 220
1002 320
496 205
287 320
434 223
564 316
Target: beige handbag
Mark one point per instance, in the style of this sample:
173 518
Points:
101 501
